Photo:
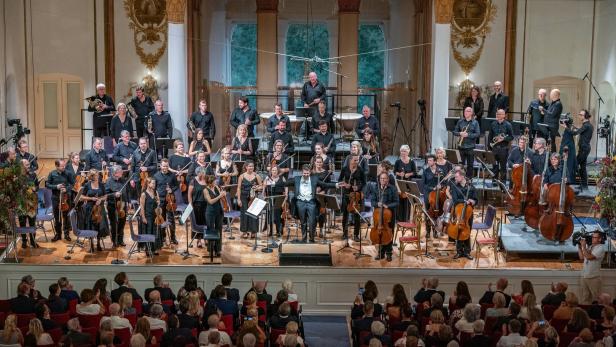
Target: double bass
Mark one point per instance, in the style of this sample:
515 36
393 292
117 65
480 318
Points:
460 228
436 199
521 176
381 233
535 208
556 223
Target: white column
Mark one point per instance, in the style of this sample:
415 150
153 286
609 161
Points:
440 82
177 75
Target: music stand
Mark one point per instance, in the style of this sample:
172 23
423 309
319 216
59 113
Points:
450 124
453 156
164 143
305 112
330 202
107 118
254 211
274 202
485 158
519 127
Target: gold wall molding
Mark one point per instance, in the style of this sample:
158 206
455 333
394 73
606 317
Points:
444 11
148 20
176 10
470 25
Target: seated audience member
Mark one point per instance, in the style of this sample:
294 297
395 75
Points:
90 304
22 303
501 285
74 334
399 301
526 288
428 288
596 309
187 321
67 291
165 293
126 304
439 335
44 315
364 323
34 293
137 340
404 322
503 321
584 339
251 327
212 323
55 302
213 340
550 338
537 323
35 328
250 301
259 287
154 299
121 279
175 334
194 305
472 313
412 334
436 303
461 302
290 341
291 329
191 285
220 301
460 290
249 340
377 330
529 301
514 339
281 296
106 329
368 295
436 323
233 294
566 309
101 286
499 308
288 286
556 295
116 319
11 335
282 317
143 328
156 318
606 323
579 321
478 338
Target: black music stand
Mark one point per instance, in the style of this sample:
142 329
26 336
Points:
273 202
453 156
359 252
164 143
450 124
519 127
107 118
330 202
484 158
305 112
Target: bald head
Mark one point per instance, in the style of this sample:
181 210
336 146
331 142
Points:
154 296
312 76
114 309
555 94
498 87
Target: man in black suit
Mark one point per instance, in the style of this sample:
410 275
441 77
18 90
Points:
427 289
306 202
55 302
282 317
233 294
479 339
22 303
220 301
163 288
552 116
501 285
243 114
121 279
498 100
326 138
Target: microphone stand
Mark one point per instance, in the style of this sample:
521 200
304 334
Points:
599 102
483 193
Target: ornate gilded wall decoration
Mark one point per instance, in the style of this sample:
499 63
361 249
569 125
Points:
469 27
148 20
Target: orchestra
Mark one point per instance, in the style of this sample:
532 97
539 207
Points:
141 106
204 120
101 105
121 122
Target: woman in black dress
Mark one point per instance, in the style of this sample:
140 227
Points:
179 163
280 159
199 163
214 212
148 202
275 185
196 198
199 144
242 147
475 101
247 186
120 122
318 153
226 170
404 169
441 162
324 174
370 147
94 195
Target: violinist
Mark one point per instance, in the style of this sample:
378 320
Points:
94 196
149 202
356 152
23 153
275 185
281 134
370 147
353 179
58 181
226 170
247 185
121 122
273 123
116 192
324 175
554 173
199 162
203 119
457 193
96 158
166 183
214 212
500 135
326 138
144 162
430 181
74 168
323 115
33 182
468 130
280 159
318 153
516 157
124 150
385 195
179 163
199 144
441 161
404 169
196 198
537 159
242 146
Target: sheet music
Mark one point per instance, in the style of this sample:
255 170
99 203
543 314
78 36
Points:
186 213
256 207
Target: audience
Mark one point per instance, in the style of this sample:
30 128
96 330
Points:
436 330
249 340
584 339
369 292
458 309
365 322
596 309
74 334
514 339
460 291
282 317
556 294
529 302
287 285
427 290
165 293
143 328
154 299
67 291
607 319
292 329
187 321
501 285
550 338
106 331
258 287
503 321
251 327
55 302
194 305
566 308
411 336
155 318
500 306
90 304
35 328
116 319
126 304
399 301
190 285
250 301
212 323
44 315
478 338
377 331
436 303
104 296
124 286
233 294
33 292
219 301
22 303
176 335
11 334
472 313
526 288
579 321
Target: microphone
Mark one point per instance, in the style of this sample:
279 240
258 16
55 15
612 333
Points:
485 167
585 76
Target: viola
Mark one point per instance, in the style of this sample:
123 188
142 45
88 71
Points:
170 201
121 208
556 223
159 219
79 180
64 206
97 213
183 186
355 199
521 178
224 203
143 175
381 233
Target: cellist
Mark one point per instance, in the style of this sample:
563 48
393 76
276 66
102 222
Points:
385 195
554 172
516 156
457 192
430 180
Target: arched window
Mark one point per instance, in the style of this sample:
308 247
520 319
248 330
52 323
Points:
370 67
307 40
244 55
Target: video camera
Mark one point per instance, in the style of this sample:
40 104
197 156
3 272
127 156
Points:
21 130
583 234
566 119
603 129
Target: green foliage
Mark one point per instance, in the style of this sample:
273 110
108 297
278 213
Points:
371 67
14 189
244 55
307 41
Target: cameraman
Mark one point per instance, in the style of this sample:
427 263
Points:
585 132
592 255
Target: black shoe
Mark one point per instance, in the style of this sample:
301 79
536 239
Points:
378 257
122 244
155 253
67 238
389 259
34 244
312 241
56 238
99 248
435 234
24 244
458 255
468 256
174 241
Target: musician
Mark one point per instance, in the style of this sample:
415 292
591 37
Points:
551 116
162 126
179 160
33 182
282 135
318 153
97 157
149 202
204 120
498 101
384 195
94 195
569 142
243 114
442 162
144 160
196 198
313 92
226 170
58 181
537 159
242 146
282 160
458 193
8 158
585 132
325 175
430 181
275 185
305 189
368 121
468 129
166 183
516 157
247 185
115 188
323 115
214 212
501 131
99 122
23 153
353 179
554 173
535 110
142 105
273 123
475 101
326 138
200 144
122 153
356 152
385 166
120 122
404 169
74 167
199 162
370 147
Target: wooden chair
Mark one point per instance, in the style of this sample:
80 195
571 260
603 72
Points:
491 240
413 228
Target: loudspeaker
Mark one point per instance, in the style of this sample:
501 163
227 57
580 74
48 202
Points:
306 254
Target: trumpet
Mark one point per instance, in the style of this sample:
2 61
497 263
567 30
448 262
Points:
150 124
497 139
95 103
131 110
463 131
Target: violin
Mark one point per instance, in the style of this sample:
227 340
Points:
460 229
521 177
170 201
381 233
143 175
105 174
121 208
64 206
183 186
79 181
536 207
436 199
355 200
556 223
224 202
159 219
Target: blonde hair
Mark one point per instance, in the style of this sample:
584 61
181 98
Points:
239 127
288 284
436 316
193 301
35 328
10 327
251 298
529 301
125 301
292 327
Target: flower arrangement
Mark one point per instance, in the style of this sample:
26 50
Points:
605 201
14 192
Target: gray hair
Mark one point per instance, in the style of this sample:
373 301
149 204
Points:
73 324
471 312
156 310
377 328
436 300
249 340
405 148
158 279
478 326
124 132
100 85
287 285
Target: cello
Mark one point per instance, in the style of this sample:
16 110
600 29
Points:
436 199
556 223
381 233
535 208
460 228
520 177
